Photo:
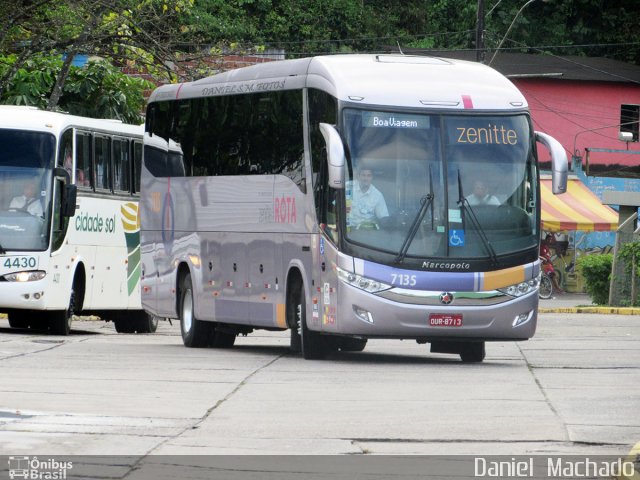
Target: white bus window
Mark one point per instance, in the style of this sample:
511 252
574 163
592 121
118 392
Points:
137 165
121 165
102 163
83 159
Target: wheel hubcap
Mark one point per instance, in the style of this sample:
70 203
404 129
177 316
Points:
187 311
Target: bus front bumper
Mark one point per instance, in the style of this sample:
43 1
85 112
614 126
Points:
495 317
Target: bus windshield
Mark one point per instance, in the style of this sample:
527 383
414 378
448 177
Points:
440 186
26 162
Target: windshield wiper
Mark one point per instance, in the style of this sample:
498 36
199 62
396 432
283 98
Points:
466 207
425 203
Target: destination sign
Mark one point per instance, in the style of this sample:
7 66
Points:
394 120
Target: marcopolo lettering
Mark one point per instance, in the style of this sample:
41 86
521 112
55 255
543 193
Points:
95 223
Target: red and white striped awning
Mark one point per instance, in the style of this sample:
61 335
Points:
576 209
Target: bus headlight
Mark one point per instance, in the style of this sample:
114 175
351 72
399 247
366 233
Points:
523 288
363 283
25 276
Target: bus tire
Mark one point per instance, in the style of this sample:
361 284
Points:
124 324
195 333
348 344
144 322
313 345
221 339
60 320
18 319
473 352
295 343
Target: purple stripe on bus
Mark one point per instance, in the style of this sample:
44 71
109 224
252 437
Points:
416 280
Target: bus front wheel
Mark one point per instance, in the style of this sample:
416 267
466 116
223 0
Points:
313 345
195 333
60 320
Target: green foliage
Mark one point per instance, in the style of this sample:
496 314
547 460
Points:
596 270
97 90
629 253
31 84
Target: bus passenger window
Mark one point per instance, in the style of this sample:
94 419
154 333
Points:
83 159
121 165
102 161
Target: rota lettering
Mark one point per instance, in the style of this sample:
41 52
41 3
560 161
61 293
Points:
284 210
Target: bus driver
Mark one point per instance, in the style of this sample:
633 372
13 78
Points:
28 201
368 206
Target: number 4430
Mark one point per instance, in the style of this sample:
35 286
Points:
20 262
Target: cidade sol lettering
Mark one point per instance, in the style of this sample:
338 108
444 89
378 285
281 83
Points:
95 223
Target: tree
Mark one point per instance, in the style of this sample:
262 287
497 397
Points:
97 90
128 32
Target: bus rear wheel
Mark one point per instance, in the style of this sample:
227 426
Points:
221 338
347 344
124 325
144 322
195 333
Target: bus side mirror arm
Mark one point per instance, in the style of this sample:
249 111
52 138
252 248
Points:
335 155
559 163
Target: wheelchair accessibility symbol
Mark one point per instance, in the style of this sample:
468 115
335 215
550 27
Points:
456 238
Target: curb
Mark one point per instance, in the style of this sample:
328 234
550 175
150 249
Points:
600 310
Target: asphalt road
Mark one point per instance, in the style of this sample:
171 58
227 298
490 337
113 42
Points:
573 389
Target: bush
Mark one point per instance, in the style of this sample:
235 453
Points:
629 253
596 271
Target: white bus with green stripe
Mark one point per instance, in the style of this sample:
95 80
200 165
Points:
73 248
251 215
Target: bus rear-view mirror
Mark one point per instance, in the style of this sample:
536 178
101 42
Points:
559 163
335 155
69 198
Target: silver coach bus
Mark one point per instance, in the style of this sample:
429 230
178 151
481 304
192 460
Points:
345 198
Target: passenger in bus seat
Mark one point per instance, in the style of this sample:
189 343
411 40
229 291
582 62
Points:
68 161
368 206
80 178
28 201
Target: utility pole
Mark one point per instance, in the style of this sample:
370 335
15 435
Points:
480 33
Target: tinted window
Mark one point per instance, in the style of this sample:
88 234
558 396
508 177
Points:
121 165
102 170
83 159
230 135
